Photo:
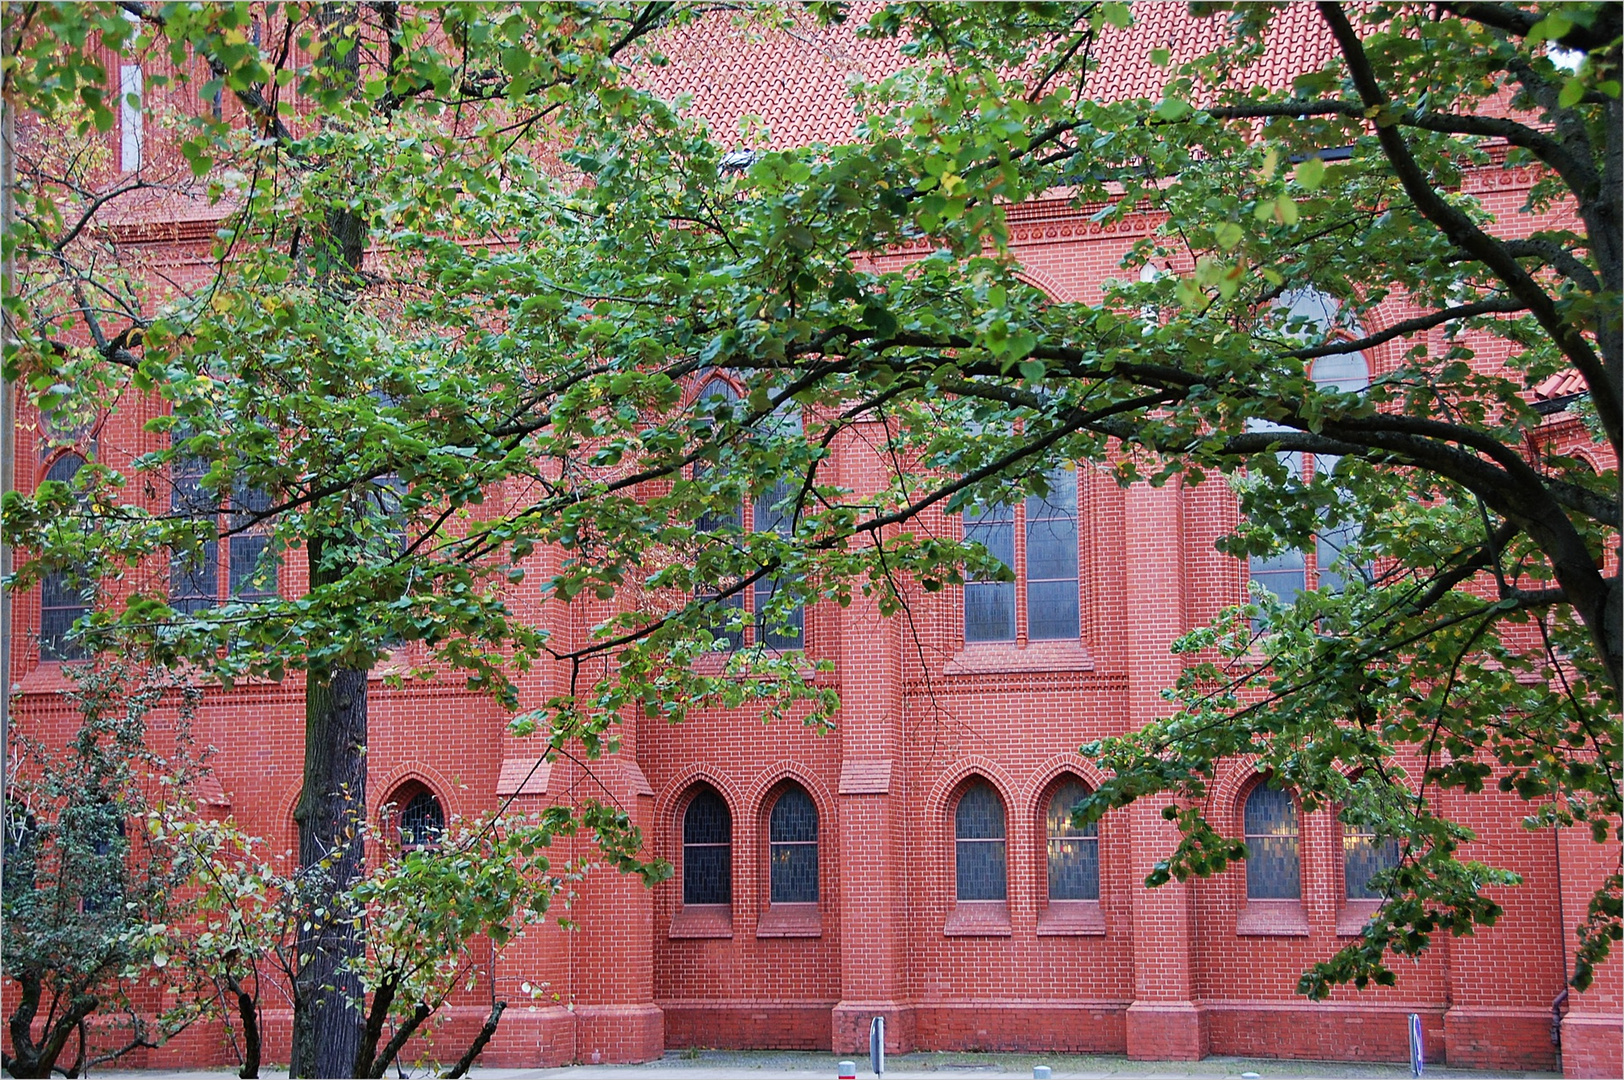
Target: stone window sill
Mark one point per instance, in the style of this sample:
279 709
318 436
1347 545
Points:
702 921
1076 918
790 920
978 918
1272 918
1352 916
991 657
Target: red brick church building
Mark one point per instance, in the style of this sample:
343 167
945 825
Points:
916 863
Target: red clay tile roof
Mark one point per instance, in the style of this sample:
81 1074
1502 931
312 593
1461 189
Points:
1562 384
796 80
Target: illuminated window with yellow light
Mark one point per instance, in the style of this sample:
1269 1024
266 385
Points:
1074 851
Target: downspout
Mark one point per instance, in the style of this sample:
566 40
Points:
1561 999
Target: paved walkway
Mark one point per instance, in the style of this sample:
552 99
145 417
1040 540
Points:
772 1065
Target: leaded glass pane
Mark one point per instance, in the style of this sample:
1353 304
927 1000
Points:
1281 574
787 630
981 873
1051 547
980 815
794 818
1272 867
707 851
1059 823
54 625
794 873
193 578
1074 852
1051 610
422 823
989 611
707 820
62 599
993 530
1346 372
253 572
1364 856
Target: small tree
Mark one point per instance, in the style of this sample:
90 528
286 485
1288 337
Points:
86 882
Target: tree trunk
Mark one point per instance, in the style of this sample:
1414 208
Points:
331 812
328 999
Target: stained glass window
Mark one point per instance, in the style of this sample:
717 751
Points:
62 600
1047 529
978 829
792 836
1364 855
422 822
1051 560
707 851
1074 853
989 606
788 630
1272 866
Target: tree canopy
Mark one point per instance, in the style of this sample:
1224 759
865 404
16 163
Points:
461 303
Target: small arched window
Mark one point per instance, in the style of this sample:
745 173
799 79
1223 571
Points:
978 832
422 821
1074 852
1273 867
62 600
792 840
707 850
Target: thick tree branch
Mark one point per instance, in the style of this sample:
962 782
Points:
1457 227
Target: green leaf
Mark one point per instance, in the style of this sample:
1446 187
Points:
1310 173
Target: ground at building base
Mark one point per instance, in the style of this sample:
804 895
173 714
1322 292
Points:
779 1065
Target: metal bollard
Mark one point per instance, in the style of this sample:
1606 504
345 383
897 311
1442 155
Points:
848 1070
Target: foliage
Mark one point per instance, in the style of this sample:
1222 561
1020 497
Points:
89 893
560 257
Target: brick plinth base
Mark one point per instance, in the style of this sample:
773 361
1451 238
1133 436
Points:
1303 1029
618 1034
535 1037
849 1020
1042 1026
747 1025
1173 1031
1482 1038
1592 1046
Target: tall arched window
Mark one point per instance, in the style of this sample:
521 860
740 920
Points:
1074 852
767 514
422 821
1037 540
978 832
792 848
250 569
1287 573
62 600
707 850
1273 867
